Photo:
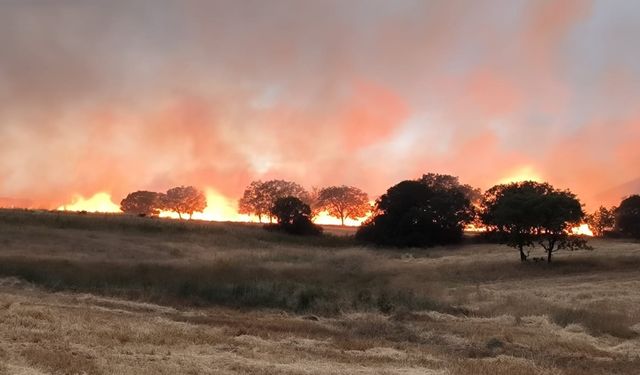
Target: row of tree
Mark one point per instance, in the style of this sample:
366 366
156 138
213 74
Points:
342 202
435 209
183 200
623 219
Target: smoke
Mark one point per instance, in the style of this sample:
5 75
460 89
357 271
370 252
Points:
119 96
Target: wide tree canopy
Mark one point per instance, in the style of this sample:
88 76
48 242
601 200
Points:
527 213
145 203
343 202
184 200
422 212
259 197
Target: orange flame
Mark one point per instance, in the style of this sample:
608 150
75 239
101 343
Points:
99 202
219 208
582 230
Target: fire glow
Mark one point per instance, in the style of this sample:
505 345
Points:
219 208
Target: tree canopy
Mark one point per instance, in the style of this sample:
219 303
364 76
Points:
259 197
343 202
529 213
294 216
602 220
628 216
429 211
184 200
144 203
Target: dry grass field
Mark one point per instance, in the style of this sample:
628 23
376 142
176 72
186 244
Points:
100 294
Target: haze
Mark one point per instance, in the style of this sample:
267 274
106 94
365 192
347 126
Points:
116 96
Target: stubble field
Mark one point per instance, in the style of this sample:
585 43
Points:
99 294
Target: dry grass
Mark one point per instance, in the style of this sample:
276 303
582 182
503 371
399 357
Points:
113 295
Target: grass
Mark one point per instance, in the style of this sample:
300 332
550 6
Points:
114 294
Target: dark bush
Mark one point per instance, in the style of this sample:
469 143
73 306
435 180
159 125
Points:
628 217
294 217
424 212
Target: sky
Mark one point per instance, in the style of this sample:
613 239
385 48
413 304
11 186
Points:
109 97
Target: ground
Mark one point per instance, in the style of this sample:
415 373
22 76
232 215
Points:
113 295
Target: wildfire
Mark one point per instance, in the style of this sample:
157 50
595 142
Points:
219 208
99 202
323 218
582 230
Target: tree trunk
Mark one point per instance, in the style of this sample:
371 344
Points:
342 220
179 215
549 256
523 256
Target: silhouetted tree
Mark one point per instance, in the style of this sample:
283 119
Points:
526 213
294 216
254 201
259 197
312 200
628 216
601 220
144 203
343 202
445 181
184 200
422 212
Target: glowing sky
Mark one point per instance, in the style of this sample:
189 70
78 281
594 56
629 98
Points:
117 96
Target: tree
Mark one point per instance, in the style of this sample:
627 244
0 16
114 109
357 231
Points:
445 181
144 203
259 197
526 213
344 202
294 216
420 212
628 216
184 200
601 220
253 201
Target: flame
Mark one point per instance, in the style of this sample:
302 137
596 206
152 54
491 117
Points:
99 202
323 218
219 208
582 230
526 173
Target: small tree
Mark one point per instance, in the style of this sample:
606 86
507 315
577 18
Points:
526 213
344 202
259 197
144 203
294 216
184 200
602 220
419 213
628 216
254 201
